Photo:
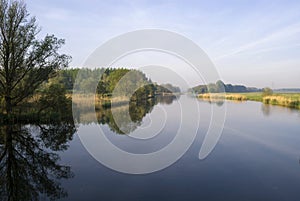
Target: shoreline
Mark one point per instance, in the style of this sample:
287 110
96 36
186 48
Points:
290 100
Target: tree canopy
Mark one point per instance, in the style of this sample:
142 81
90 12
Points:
25 61
121 79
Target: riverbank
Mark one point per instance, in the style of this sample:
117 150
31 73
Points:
84 100
291 100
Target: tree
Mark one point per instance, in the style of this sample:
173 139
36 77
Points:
25 61
53 100
212 88
220 86
267 91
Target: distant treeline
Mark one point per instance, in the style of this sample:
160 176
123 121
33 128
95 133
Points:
287 90
124 81
219 87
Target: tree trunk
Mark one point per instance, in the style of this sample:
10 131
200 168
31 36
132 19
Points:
8 106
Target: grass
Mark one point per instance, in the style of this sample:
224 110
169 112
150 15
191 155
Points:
255 96
291 100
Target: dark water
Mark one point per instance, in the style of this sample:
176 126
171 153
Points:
256 157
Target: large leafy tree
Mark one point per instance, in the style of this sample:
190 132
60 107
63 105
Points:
25 61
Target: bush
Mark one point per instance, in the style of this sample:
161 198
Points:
267 91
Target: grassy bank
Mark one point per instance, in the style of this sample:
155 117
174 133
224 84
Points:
291 100
84 100
286 101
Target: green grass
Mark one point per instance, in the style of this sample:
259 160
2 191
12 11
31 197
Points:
255 96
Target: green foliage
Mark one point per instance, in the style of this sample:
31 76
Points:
53 100
121 81
25 61
253 96
114 76
67 77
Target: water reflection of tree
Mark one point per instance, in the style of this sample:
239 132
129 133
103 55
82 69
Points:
137 111
29 165
168 99
266 109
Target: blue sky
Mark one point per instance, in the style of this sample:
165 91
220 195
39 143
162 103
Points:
256 43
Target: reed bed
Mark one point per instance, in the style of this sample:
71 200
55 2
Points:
282 101
287 99
85 100
213 96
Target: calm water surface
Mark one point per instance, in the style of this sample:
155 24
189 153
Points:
256 158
